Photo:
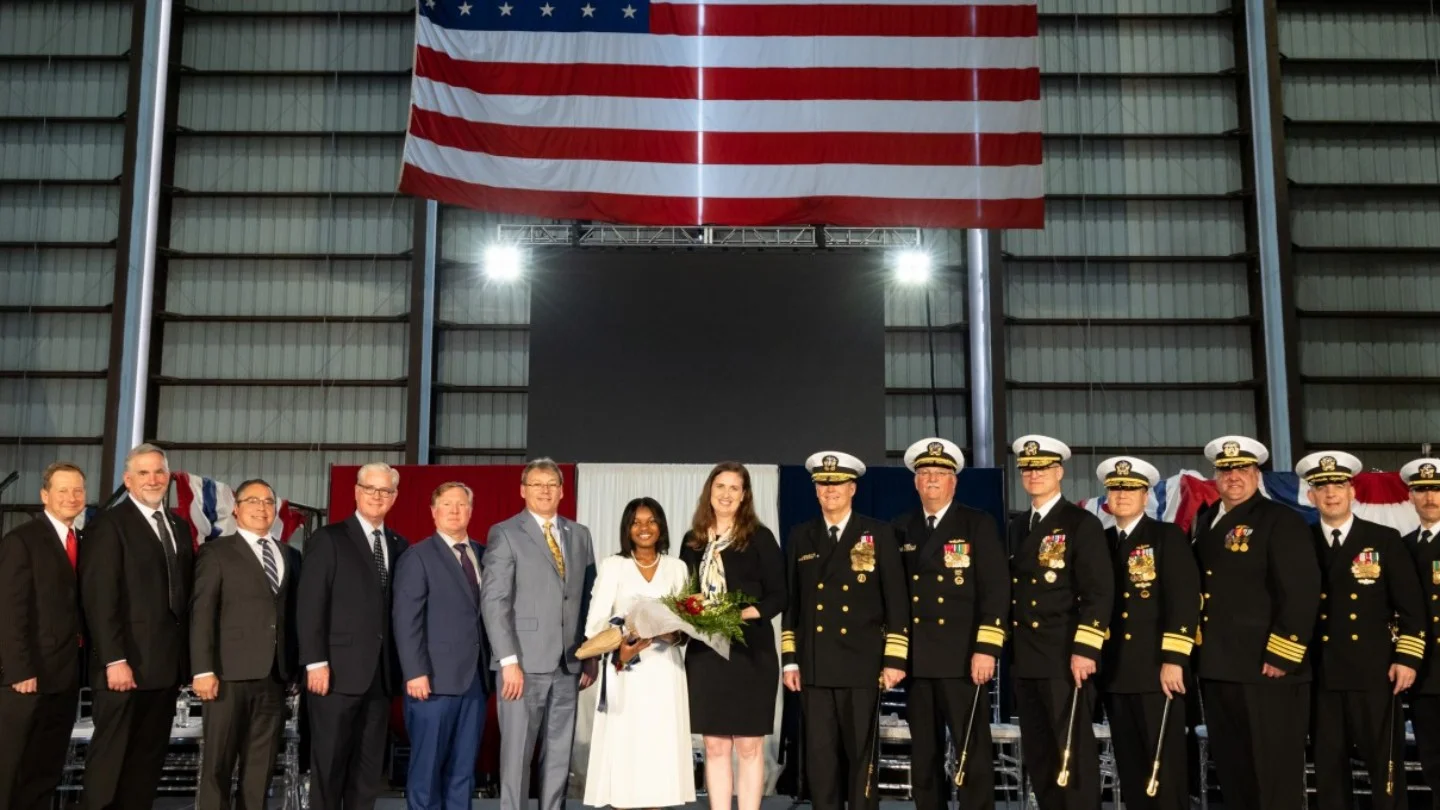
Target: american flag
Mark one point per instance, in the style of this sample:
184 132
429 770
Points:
730 112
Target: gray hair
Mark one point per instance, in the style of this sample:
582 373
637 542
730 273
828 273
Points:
145 450
544 463
378 466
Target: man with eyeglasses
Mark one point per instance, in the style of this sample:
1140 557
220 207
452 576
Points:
243 649
960 598
539 567
1422 477
1260 583
351 669
1063 591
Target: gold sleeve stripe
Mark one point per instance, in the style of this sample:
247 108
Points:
1176 643
897 638
1284 652
991 635
1286 644
1410 645
787 633
1091 639
892 651
1411 651
1093 631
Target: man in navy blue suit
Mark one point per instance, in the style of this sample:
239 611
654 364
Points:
441 641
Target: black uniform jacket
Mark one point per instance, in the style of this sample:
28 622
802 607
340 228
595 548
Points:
1063 590
959 590
848 614
1427 564
1367 583
1158 611
1261 588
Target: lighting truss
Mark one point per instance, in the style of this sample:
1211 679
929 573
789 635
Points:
708 236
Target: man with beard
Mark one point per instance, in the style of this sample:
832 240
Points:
1422 476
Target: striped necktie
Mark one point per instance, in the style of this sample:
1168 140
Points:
272 572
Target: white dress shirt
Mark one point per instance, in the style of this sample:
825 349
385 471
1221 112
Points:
1130 528
60 528
252 540
1044 509
939 515
463 545
1344 529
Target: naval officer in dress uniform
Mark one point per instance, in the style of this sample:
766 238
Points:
959 601
1422 476
1261 587
1152 633
844 634
1063 593
1367 582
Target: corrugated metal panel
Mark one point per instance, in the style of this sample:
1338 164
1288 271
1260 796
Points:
945 294
1389 34
254 414
302 476
346 226
302 5
483 358
63 89
908 360
1136 46
289 351
346 164
1143 167
51 408
56 277
71 28
338 289
61 151
1136 228
1123 354
1390 460
1377 223
54 342
1363 160
464 232
466 296
1381 283
1361 97
481 420
1132 6
226 43
1369 348
31 460
518 457
1129 290
1381 415
946 246
1139 106
293 104
911 417
59 214
1136 419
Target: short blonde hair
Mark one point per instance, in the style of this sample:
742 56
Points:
544 463
449 485
59 466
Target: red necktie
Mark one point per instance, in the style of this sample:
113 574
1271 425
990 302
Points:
71 550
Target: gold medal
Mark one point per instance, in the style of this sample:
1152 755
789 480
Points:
1144 594
859 577
959 579
1051 576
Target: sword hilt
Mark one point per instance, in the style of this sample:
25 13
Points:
1390 779
1063 778
960 769
1153 786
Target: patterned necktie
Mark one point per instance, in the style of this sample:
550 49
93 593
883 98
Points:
71 550
272 572
377 550
555 550
1425 536
469 570
171 564
835 534
1334 538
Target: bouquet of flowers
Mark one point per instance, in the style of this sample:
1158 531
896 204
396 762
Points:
714 620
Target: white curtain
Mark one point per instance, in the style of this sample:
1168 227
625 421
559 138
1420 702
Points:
602 491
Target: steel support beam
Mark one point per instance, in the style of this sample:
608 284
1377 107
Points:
420 408
986 362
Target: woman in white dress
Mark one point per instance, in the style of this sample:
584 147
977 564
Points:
640 753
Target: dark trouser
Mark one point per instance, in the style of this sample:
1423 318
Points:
1257 737
1134 730
444 739
132 731
839 725
1360 720
1425 711
347 749
935 704
242 726
1044 708
34 735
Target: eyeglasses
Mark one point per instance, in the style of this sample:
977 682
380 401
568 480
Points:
544 485
383 492
268 503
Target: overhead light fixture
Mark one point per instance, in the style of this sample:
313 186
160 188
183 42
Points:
912 267
503 262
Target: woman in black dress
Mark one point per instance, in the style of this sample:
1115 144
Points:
732 703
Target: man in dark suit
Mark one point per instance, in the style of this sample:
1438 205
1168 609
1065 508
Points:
845 631
1422 476
135 580
1369 591
1261 583
1152 633
243 649
1063 590
440 637
343 620
39 642
960 598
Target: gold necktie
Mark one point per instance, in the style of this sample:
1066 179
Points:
555 550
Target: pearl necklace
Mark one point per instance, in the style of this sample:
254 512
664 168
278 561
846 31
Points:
639 564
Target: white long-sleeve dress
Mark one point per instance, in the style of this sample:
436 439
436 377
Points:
640 753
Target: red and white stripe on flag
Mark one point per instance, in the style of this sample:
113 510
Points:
730 112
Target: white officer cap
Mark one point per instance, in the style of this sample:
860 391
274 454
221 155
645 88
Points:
934 452
834 467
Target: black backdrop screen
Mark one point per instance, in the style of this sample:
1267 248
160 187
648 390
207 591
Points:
698 357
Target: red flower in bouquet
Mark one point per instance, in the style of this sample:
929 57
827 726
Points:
694 605
718 616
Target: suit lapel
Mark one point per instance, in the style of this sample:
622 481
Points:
945 530
448 560
531 527
362 545
47 537
820 541
240 547
1046 526
848 538
1233 517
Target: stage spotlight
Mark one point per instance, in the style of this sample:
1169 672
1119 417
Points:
503 262
912 267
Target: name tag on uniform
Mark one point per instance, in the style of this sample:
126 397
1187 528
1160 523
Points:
808 557
907 547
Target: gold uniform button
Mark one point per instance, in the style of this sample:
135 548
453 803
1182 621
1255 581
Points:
1015 580
819 629
1032 603
819 607
842 631
1127 636
1324 638
939 577
844 587
844 608
819 586
940 600
1352 617
1125 615
1354 596
916 620
916 577
1323 617
1032 580
1205 595
1034 624
1322 596
1126 594
1354 638
1205 618
914 599
939 621
1209 573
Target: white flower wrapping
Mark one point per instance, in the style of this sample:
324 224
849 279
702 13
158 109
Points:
649 618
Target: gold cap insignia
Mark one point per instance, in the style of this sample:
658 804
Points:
935 449
1230 449
830 463
1327 464
1427 471
1031 448
1122 468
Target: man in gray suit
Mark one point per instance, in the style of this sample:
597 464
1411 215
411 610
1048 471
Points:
538 571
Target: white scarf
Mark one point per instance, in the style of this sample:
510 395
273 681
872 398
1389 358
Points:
712 569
